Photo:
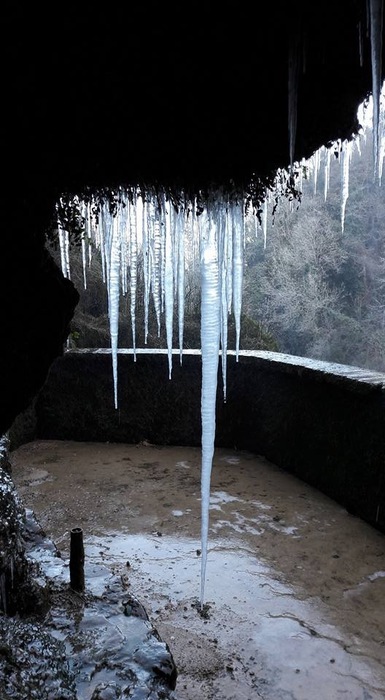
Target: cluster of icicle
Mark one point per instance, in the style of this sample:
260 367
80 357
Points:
296 63
344 151
151 235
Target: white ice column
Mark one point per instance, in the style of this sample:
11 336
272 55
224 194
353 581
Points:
210 336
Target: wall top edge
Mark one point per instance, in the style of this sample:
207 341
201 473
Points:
329 371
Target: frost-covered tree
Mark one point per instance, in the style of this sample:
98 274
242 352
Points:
319 291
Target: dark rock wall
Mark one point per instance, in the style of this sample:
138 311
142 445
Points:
324 423
18 594
141 93
36 304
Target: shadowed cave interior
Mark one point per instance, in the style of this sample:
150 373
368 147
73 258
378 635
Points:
144 96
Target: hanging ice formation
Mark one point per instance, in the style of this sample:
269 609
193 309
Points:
264 222
152 235
64 252
316 168
346 152
210 239
328 154
374 30
152 238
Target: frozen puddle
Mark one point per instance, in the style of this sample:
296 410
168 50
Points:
295 586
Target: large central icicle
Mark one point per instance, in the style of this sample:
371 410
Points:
113 252
210 336
168 279
216 223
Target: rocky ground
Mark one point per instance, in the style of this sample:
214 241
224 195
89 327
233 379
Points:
62 644
295 585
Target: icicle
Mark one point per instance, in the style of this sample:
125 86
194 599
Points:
328 154
88 222
229 260
154 230
317 164
62 252
168 280
162 231
124 238
360 116
237 217
210 334
175 248
357 143
376 20
139 206
179 236
93 234
264 222
65 253
224 272
146 269
300 174
84 261
133 271
107 238
83 244
345 164
102 244
113 252
153 220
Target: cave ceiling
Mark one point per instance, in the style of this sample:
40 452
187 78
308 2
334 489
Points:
187 96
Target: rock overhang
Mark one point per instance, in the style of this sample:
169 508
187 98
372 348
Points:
190 101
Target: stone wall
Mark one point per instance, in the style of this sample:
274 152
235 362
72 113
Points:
324 423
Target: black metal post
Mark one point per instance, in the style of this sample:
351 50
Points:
77 560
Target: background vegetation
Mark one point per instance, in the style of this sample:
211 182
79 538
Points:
318 291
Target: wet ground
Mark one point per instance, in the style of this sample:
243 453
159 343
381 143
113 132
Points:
295 588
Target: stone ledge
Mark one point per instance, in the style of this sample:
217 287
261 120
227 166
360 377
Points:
323 423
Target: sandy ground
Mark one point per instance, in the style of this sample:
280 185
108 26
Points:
295 586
